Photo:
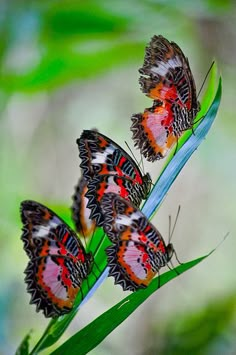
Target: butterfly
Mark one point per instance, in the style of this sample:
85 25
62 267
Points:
167 79
138 250
85 226
57 263
108 168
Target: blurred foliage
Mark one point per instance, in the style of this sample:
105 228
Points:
48 44
206 330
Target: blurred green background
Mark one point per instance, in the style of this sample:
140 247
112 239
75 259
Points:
73 65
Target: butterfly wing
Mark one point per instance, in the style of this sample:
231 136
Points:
167 79
85 225
58 263
153 131
138 250
103 184
101 156
166 74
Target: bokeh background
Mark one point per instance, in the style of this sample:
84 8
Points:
73 65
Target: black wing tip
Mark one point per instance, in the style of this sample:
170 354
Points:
88 133
30 206
84 135
27 204
25 207
158 38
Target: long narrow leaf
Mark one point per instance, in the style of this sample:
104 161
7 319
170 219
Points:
93 334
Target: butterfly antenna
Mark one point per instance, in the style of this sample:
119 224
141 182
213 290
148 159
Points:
170 237
176 218
205 78
169 231
142 163
135 159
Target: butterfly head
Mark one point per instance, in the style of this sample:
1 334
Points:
169 252
147 184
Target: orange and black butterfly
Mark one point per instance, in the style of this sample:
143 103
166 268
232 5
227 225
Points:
106 167
167 79
58 263
138 250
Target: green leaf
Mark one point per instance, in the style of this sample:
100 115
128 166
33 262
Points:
23 349
93 334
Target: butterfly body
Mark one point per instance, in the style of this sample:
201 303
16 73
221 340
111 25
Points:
167 79
58 262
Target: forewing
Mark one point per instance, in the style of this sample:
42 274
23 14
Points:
101 156
103 184
40 222
153 131
166 74
85 226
